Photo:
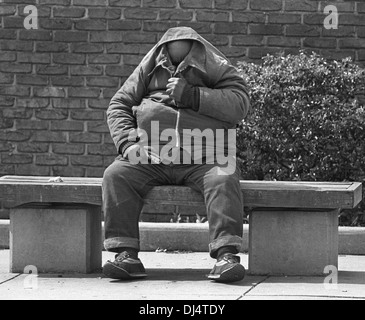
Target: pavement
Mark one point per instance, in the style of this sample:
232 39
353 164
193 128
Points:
181 276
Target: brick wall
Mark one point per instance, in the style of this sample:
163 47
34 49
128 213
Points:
56 81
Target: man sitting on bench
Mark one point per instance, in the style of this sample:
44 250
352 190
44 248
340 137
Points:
184 90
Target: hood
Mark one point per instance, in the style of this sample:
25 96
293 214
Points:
187 33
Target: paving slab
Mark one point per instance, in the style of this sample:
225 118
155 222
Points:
181 276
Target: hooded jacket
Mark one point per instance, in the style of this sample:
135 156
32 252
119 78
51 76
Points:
142 101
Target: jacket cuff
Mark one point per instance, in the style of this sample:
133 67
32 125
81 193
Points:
124 146
191 97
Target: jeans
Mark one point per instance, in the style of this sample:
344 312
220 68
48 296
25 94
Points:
125 185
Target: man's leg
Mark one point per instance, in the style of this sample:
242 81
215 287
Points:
224 203
124 187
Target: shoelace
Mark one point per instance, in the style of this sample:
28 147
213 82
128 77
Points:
231 258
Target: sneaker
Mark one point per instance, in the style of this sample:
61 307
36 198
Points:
124 267
228 269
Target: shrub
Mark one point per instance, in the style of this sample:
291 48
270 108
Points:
307 122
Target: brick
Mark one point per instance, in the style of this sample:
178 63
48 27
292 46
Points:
16 158
193 4
85 137
231 4
13 22
35 35
87 48
25 169
141 14
68 171
53 114
68 103
6 123
31 124
5 170
44 11
6 78
266 5
343 31
68 125
248 17
7 34
266 29
91 24
212 16
351 19
259 52
75 148
95 172
314 18
84 92
230 28
102 81
69 58
35 80
51 47
319 43
159 4
341 6
51 160
8 56
123 48
200 27
302 30
301 5
33 147
48 136
338 54
102 150
70 36
104 13
247 40
98 103
73 81
132 59
351 43
360 7
86 70
6 101
56 2
285 18
6 146
56 24
109 93
19 91
360 32
15 67
95 161
125 3
35 103
108 140
175 14
15 45
97 126
90 3
119 71
87 115
106 36
18 113
68 12
104 58
31 57
124 25
51 69
233 52
157 26
15 136
7 10
52 92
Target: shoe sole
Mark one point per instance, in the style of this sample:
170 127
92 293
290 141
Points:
114 272
236 273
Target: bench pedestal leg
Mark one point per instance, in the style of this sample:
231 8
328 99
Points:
56 239
289 242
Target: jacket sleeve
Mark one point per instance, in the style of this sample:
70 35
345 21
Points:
120 118
228 100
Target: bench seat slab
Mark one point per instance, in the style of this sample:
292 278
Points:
301 243
56 239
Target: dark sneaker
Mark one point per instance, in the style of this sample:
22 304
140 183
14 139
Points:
228 269
124 267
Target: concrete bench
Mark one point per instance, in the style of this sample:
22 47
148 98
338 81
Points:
56 226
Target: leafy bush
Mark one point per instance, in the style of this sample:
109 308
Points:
307 122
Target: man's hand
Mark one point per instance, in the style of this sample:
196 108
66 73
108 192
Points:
136 154
175 88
